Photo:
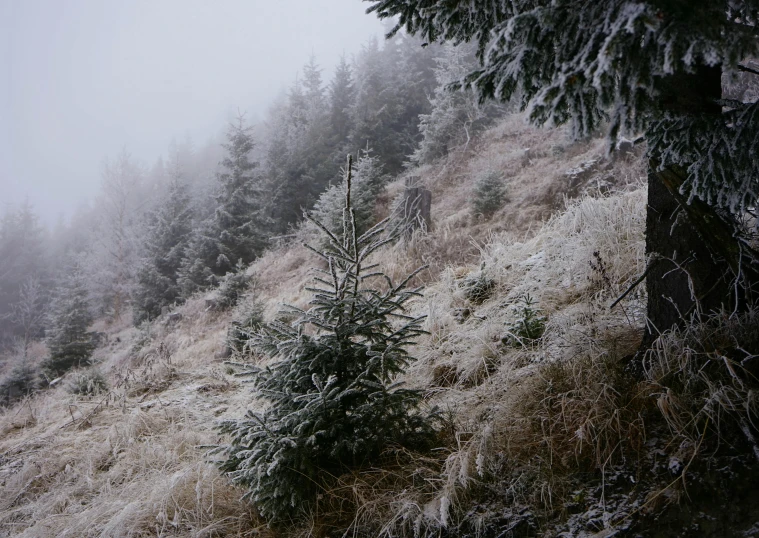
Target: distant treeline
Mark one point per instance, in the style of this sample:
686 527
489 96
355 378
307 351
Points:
155 235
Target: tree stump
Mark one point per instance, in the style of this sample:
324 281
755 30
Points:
417 206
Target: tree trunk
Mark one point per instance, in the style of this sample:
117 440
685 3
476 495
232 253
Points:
417 207
685 277
693 252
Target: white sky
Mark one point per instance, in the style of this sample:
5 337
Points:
82 79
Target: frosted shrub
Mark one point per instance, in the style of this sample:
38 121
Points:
87 382
247 320
22 380
489 195
232 288
477 288
335 404
529 325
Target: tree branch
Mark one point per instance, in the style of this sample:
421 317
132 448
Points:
747 69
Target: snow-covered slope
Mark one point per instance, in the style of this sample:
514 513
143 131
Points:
528 424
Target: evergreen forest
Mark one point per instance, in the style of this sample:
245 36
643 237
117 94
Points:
495 274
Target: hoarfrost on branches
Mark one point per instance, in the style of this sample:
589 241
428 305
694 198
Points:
606 63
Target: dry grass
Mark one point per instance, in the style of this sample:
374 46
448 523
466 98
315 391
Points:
129 463
705 379
521 423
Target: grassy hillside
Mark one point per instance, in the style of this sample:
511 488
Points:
545 432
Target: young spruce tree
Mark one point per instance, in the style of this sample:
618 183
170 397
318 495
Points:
69 342
334 401
166 242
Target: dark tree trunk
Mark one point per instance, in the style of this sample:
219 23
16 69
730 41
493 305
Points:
692 249
685 277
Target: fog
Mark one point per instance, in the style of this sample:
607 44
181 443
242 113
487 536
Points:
81 80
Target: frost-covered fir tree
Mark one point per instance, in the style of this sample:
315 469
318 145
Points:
240 220
22 257
368 180
300 153
456 114
392 85
29 312
645 66
112 253
334 400
237 231
314 101
166 242
68 341
196 271
341 94
488 195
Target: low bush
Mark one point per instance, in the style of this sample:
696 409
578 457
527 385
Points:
477 287
529 325
247 320
86 382
489 195
21 381
232 288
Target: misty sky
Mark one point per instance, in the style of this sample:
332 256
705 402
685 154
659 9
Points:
82 79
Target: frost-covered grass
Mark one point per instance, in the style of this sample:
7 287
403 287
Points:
521 423
128 461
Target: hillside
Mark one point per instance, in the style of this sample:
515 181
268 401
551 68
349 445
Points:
542 435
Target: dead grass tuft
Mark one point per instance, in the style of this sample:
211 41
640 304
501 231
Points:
705 380
393 499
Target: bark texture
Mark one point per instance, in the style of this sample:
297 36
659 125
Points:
694 252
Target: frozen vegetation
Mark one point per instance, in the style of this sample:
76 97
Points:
473 327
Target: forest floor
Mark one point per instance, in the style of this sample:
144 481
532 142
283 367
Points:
542 437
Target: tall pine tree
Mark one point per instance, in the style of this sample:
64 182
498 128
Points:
341 96
237 232
652 66
391 85
166 242
300 152
68 341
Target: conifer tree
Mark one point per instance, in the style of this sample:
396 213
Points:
368 180
335 402
391 89
29 312
300 152
112 254
488 195
22 257
313 91
167 239
238 229
341 96
240 221
456 115
68 341
196 271
647 66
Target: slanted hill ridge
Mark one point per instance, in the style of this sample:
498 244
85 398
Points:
517 305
